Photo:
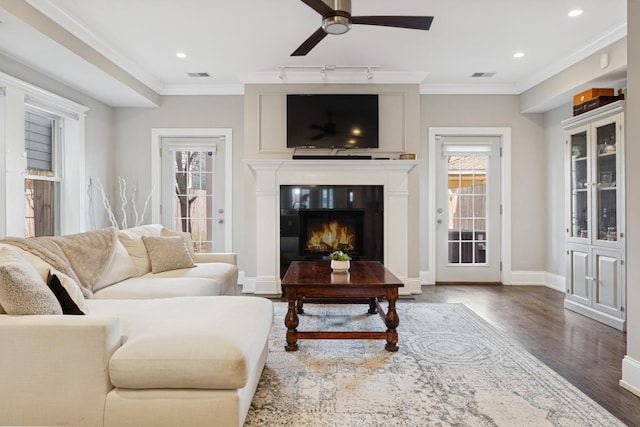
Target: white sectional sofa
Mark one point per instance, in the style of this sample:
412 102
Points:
172 347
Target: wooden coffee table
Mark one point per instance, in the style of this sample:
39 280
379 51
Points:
365 280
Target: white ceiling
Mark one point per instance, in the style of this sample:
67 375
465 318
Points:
241 41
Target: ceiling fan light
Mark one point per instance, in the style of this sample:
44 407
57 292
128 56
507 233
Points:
336 24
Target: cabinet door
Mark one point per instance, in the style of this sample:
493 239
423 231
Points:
607 272
579 152
579 282
606 203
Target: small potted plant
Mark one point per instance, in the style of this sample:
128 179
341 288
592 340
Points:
340 261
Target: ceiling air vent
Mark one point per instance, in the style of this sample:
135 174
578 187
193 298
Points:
483 74
199 75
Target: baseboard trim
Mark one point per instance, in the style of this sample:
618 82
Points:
630 375
518 278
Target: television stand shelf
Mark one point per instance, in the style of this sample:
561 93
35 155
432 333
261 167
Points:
329 157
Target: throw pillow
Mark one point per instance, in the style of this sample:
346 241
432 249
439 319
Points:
187 239
167 253
121 268
131 238
65 299
22 290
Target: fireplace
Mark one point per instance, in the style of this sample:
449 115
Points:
317 220
323 231
283 187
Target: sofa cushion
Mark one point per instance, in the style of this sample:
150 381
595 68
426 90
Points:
187 237
167 253
148 287
121 268
65 294
188 342
131 238
225 274
22 290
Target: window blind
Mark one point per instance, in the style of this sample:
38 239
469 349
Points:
39 141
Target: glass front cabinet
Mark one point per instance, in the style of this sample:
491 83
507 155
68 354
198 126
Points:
594 183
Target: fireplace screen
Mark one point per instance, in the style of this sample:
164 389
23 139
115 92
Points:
323 231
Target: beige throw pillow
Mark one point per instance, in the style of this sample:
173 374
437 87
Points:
22 290
131 238
187 239
167 253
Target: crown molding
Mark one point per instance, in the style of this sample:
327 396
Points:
332 75
615 33
468 89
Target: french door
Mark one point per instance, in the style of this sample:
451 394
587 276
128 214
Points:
467 205
193 190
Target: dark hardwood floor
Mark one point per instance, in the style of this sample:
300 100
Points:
585 352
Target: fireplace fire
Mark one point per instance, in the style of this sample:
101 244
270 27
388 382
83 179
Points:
333 236
323 231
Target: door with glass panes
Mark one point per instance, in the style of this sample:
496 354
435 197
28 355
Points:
468 244
193 190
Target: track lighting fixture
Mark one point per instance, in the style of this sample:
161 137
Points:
327 72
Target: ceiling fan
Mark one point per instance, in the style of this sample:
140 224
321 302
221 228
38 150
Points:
337 19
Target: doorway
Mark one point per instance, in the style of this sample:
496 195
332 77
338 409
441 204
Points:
192 190
468 206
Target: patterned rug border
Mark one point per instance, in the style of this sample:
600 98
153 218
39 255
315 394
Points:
453 369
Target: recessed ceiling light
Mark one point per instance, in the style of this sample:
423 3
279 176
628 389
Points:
518 54
575 12
181 55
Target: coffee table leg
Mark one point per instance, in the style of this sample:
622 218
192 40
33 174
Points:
373 307
392 321
291 322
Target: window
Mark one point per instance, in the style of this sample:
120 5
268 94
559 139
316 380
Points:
42 178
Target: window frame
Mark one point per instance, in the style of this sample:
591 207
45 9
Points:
15 96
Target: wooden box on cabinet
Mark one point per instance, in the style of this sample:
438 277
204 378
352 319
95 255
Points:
591 93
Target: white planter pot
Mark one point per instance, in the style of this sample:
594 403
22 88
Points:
340 266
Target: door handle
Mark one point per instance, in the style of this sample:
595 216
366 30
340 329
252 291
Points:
439 221
220 221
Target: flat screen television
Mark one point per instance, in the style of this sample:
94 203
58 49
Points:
332 121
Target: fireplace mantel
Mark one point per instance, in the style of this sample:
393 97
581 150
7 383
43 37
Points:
270 174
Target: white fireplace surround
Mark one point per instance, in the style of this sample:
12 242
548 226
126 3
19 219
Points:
271 174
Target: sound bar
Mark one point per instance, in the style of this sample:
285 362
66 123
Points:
311 157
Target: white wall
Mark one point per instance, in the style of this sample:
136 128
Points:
265 130
555 258
631 363
529 164
132 137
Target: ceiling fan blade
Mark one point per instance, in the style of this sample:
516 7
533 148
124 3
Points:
310 43
412 22
319 6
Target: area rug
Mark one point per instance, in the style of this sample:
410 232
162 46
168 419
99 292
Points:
452 369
